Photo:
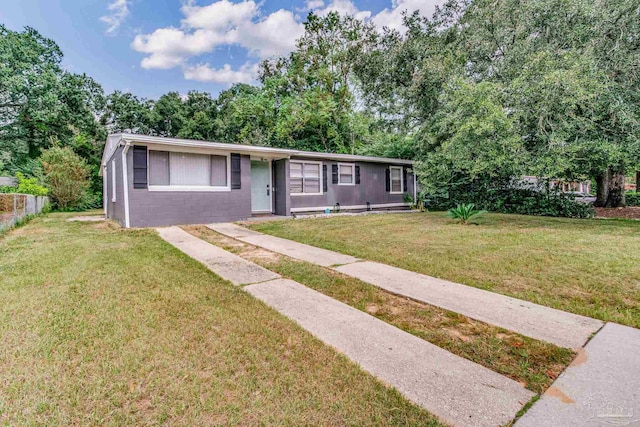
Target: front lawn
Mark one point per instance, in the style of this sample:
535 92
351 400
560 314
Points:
589 267
533 363
105 326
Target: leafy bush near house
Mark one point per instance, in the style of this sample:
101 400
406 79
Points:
66 176
507 199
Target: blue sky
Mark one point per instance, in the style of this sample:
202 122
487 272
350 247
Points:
150 47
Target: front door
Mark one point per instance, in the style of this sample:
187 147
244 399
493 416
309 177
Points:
260 186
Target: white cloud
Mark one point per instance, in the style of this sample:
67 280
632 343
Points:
205 73
223 23
119 10
388 17
392 18
343 7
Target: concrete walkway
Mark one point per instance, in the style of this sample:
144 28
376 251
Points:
286 247
529 319
230 267
458 391
600 388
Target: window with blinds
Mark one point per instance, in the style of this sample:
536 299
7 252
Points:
396 179
305 177
346 174
174 169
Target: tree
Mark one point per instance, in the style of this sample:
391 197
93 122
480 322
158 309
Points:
66 176
472 139
39 101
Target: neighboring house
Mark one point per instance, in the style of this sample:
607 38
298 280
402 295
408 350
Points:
576 187
154 181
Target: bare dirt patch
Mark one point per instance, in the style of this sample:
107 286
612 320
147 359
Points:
630 212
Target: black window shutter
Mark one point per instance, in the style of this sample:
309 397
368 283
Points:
357 174
324 178
334 174
139 166
236 173
404 179
387 184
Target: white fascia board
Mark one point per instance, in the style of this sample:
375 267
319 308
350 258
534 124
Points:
266 152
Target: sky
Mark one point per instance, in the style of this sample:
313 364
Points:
151 47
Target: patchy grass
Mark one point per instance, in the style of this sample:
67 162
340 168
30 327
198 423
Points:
588 267
105 326
534 363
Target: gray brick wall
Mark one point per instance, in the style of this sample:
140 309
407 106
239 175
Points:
160 208
371 189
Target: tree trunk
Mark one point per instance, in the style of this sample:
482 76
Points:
602 189
637 181
616 198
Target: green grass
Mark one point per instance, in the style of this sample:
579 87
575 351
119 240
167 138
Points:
104 326
533 363
588 267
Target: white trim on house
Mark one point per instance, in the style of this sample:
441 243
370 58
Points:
353 174
391 168
105 189
320 177
194 188
125 185
113 181
377 206
115 140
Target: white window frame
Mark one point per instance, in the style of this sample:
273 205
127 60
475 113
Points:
193 188
391 168
353 174
320 175
113 180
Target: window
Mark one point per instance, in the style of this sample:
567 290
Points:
113 180
346 174
174 171
305 177
395 177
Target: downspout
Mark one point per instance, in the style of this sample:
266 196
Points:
125 184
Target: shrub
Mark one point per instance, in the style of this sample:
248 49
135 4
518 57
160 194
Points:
509 199
465 212
66 176
632 198
29 186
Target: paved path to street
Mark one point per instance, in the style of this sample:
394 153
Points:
529 319
458 391
230 267
286 247
600 388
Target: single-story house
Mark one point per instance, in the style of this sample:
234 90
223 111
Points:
155 181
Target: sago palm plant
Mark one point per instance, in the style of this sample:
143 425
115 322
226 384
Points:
465 212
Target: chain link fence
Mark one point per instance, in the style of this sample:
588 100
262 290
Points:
14 207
